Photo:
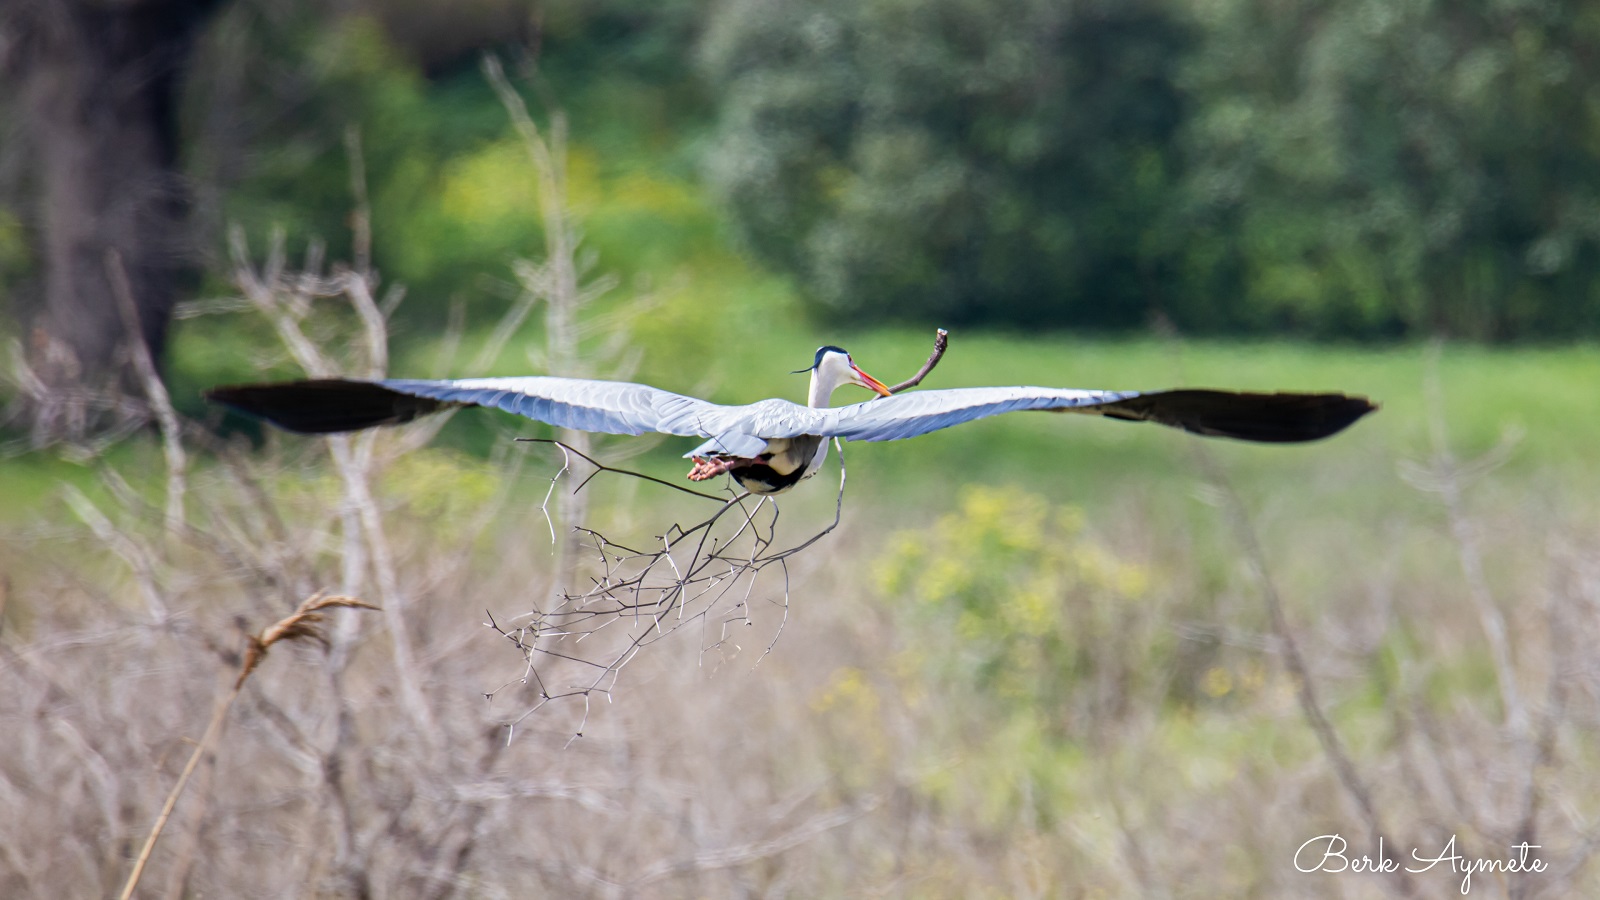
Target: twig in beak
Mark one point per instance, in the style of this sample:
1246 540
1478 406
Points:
941 340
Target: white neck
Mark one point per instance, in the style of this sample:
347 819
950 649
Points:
832 374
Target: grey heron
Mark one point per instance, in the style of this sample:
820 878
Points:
770 446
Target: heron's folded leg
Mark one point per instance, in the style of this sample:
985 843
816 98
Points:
706 469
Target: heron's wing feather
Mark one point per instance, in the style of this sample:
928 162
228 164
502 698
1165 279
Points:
615 407
323 405
919 412
730 444
1280 417
328 405
608 407
1277 418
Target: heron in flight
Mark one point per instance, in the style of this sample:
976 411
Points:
770 446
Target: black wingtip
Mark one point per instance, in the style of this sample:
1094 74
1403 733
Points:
324 405
1281 418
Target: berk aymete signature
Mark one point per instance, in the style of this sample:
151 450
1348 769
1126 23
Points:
1328 853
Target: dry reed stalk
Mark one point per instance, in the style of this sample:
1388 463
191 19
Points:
298 625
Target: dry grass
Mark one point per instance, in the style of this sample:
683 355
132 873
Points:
297 626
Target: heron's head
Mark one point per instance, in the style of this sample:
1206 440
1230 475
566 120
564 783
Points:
833 368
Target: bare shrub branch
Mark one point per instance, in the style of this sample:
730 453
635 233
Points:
704 574
155 392
1445 476
368 774
1306 691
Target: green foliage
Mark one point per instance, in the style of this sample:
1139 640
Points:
1349 168
1038 645
637 40
1018 604
1322 167
16 259
417 141
1329 167
953 159
452 191
1374 168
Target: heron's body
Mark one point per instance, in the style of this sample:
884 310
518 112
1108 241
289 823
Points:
772 445
785 463
782 462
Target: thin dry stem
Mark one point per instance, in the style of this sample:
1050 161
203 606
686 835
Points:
1447 481
155 393
299 625
1306 693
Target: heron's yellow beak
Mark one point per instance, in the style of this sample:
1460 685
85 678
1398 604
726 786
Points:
867 381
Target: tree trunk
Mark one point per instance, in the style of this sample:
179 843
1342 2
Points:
99 84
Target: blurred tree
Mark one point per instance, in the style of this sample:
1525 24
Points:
1376 168
97 87
1358 168
440 36
962 159
450 186
109 153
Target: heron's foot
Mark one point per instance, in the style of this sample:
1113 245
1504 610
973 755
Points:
707 469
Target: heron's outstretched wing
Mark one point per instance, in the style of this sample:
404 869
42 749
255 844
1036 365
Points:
327 405
1273 418
331 405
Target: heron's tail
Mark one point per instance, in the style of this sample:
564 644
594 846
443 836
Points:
325 405
1272 418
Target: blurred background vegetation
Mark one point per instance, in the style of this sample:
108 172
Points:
1350 169
1057 679
1336 169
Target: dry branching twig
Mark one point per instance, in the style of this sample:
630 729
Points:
559 281
703 574
696 576
368 772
